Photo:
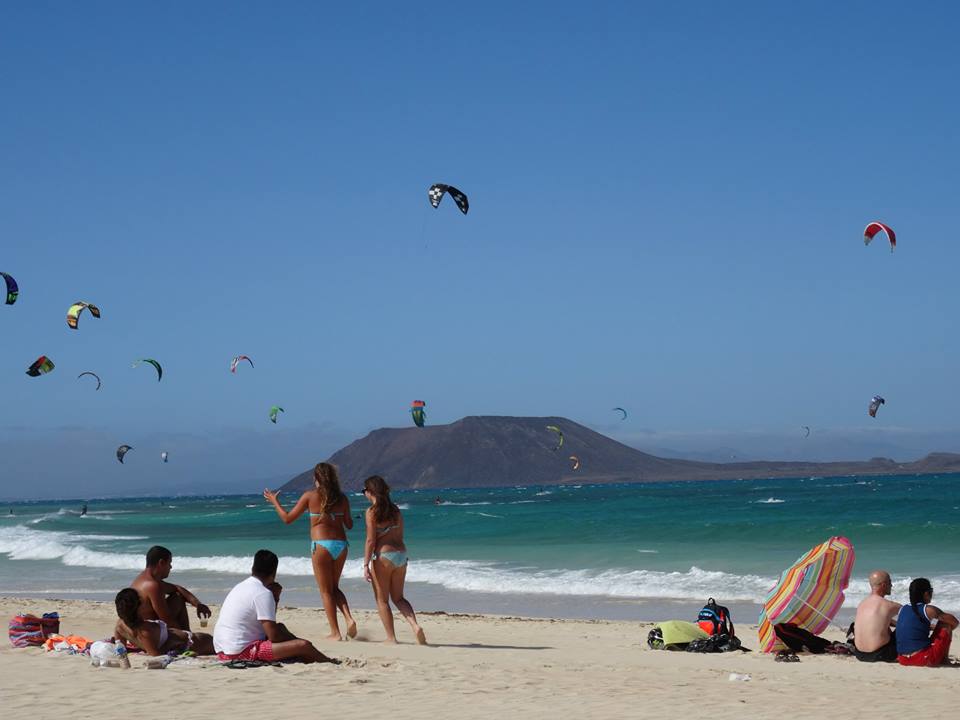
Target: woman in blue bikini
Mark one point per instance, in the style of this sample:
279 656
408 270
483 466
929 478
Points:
385 557
329 512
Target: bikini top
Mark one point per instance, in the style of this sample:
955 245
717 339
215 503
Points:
333 515
385 530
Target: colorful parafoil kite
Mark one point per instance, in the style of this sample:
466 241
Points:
41 366
418 413
12 289
236 361
155 364
621 410
559 432
576 462
91 374
73 313
436 192
123 450
807 428
273 413
874 228
164 455
875 402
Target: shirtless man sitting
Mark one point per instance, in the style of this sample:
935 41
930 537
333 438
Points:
161 600
874 640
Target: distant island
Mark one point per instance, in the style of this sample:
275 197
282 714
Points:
487 451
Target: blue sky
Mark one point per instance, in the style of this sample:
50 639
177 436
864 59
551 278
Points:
667 205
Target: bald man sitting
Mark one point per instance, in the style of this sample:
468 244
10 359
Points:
873 637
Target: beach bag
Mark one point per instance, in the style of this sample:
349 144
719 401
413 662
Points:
715 619
796 638
716 644
32 631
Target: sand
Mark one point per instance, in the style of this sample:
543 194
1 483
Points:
476 666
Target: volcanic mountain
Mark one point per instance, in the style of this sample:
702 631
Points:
486 451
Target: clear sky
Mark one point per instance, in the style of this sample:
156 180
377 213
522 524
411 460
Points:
667 205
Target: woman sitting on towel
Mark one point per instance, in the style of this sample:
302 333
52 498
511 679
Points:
385 557
153 636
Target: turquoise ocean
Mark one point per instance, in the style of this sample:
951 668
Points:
644 551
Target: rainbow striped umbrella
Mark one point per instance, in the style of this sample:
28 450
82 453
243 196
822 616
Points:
809 592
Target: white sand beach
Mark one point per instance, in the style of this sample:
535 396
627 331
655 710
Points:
476 666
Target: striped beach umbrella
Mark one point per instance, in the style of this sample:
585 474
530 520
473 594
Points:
809 592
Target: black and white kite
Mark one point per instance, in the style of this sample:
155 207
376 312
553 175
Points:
435 193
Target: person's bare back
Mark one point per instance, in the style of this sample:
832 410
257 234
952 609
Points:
875 615
147 587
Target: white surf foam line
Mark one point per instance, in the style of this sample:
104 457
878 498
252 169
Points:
769 501
22 543
465 504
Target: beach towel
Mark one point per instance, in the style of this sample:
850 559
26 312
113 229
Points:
73 644
674 635
32 631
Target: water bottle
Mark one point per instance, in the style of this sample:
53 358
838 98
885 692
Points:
158 663
122 659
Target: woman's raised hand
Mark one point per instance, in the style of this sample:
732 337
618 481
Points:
270 496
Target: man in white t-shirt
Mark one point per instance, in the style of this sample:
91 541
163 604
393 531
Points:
247 627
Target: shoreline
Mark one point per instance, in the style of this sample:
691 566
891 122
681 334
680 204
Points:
427 598
479 663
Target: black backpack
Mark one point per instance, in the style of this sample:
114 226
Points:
715 619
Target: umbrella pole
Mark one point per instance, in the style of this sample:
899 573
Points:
829 620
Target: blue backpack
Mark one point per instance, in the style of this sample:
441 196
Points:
715 619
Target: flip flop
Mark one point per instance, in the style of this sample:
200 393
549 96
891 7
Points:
244 664
786 656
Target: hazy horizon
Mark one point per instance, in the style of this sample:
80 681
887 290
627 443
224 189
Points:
235 461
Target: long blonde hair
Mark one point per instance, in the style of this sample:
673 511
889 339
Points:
326 480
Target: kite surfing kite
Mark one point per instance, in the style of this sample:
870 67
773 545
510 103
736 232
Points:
73 313
621 410
236 361
123 450
155 364
164 455
807 428
273 413
12 289
559 432
418 413
436 192
875 402
874 228
91 374
576 462
41 366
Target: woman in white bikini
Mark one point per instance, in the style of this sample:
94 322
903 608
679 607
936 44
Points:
329 512
153 636
385 557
